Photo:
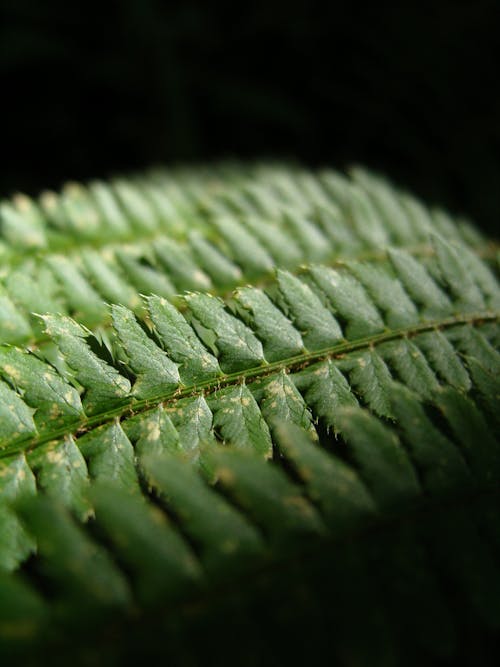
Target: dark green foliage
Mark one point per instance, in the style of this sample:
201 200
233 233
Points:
314 455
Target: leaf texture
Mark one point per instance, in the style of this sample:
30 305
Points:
250 379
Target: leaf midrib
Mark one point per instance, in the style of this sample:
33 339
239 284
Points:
487 250
297 362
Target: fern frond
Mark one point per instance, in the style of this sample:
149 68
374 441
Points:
73 252
201 444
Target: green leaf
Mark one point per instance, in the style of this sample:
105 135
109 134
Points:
388 207
185 272
281 402
56 402
81 568
31 294
238 421
79 211
61 472
444 359
193 420
221 269
108 208
309 237
325 391
16 418
145 278
83 300
481 275
342 236
370 378
225 538
411 366
334 486
456 276
419 284
471 430
237 346
350 300
139 212
247 251
487 384
21 223
107 280
16 482
155 434
110 456
387 293
317 325
238 478
283 248
263 491
364 217
161 561
473 344
155 373
439 462
279 338
105 387
196 364
384 464
14 327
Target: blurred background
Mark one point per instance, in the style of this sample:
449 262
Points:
411 91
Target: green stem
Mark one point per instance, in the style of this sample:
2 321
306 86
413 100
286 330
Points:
297 362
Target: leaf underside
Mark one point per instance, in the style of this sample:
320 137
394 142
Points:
248 396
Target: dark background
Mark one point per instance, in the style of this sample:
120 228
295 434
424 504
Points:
412 91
